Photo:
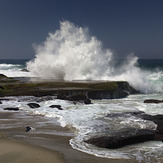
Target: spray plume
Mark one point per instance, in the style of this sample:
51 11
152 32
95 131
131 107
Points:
72 54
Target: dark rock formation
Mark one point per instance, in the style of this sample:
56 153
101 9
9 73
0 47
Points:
62 89
157 119
76 97
27 129
120 90
122 138
79 98
4 99
33 105
45 98
128 136
153 101
87 101
56 106
1 88
61 96
11 109
2 76
0 102
24 70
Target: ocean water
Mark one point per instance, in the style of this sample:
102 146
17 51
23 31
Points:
72 54
90 120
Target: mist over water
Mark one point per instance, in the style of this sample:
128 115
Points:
72 54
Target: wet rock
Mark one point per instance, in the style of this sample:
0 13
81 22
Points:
153 101
157 119
79 98
75 98
11 109
122 138
28 128
45 98
0 102
116 90
2 76
87 101
24 70
56 106
33 105
4 99
61 96
1 88
138 114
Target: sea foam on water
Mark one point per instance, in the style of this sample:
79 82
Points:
72 54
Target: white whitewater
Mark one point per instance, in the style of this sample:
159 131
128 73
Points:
72 54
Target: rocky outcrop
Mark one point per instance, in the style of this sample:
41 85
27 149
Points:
122 138
11 109
121 90
2 76
92 90
128 136
33 105
77 98
56 106
153 101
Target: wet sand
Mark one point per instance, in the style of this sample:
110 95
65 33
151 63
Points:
46 142
16 152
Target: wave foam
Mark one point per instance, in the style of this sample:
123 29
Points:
72 54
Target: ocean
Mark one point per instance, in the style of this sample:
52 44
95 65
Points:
89 120
72 54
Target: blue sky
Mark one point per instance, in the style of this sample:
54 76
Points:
124 26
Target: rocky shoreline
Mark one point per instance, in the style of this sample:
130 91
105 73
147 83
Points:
128 136
83 92
93 90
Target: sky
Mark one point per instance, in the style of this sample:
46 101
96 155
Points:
124 26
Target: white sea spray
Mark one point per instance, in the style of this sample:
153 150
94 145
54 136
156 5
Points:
72 54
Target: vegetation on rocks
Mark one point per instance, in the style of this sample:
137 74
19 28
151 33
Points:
94 90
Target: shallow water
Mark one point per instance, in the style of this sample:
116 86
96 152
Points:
89 120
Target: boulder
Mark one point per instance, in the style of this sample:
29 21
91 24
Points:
27 129
11 109
61 96
79 98
0 102
87 101
153 101
122 138
56 106
33 105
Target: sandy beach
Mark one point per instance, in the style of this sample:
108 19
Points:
16 152
46 142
